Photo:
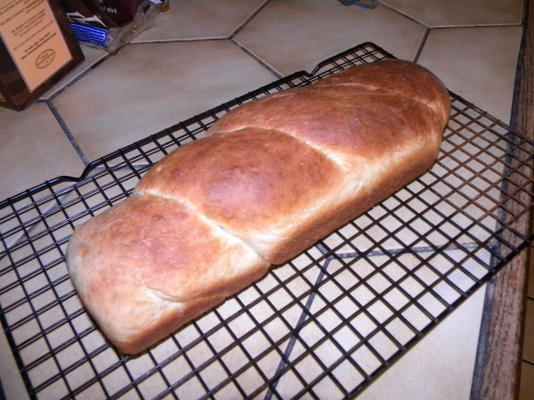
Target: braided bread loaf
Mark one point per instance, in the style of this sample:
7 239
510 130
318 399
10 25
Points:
272 177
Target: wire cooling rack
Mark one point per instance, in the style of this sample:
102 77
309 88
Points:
324 325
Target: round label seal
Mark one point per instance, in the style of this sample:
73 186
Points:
45 58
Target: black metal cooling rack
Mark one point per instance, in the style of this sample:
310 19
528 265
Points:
325 324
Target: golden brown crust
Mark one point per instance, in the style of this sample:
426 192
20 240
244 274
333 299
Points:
148 260
269 172
273 177
339 120
402 78
261 185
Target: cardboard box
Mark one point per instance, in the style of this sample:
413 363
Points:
36 50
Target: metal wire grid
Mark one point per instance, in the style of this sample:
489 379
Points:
324 325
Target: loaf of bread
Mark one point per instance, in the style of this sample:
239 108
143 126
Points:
271 178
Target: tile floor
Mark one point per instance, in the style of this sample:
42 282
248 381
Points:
184 65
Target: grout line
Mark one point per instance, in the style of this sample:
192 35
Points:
248 19
206 39
74 80
528 362
404 15
421 45
473 26
257 59
185 40
230 36
67 132
497 24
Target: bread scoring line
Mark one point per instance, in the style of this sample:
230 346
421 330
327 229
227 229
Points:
310 145
191 207
174 300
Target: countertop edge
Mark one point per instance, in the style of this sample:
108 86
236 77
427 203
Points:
497 366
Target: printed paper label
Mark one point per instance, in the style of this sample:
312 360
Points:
34 40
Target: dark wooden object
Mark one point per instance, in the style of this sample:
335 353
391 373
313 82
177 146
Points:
498 362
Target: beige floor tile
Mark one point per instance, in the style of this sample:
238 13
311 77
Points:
92 56
34 149
460 13
526 386
146 88
12 383
200 19
450 347
332 309
528 341
317 30
479 64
